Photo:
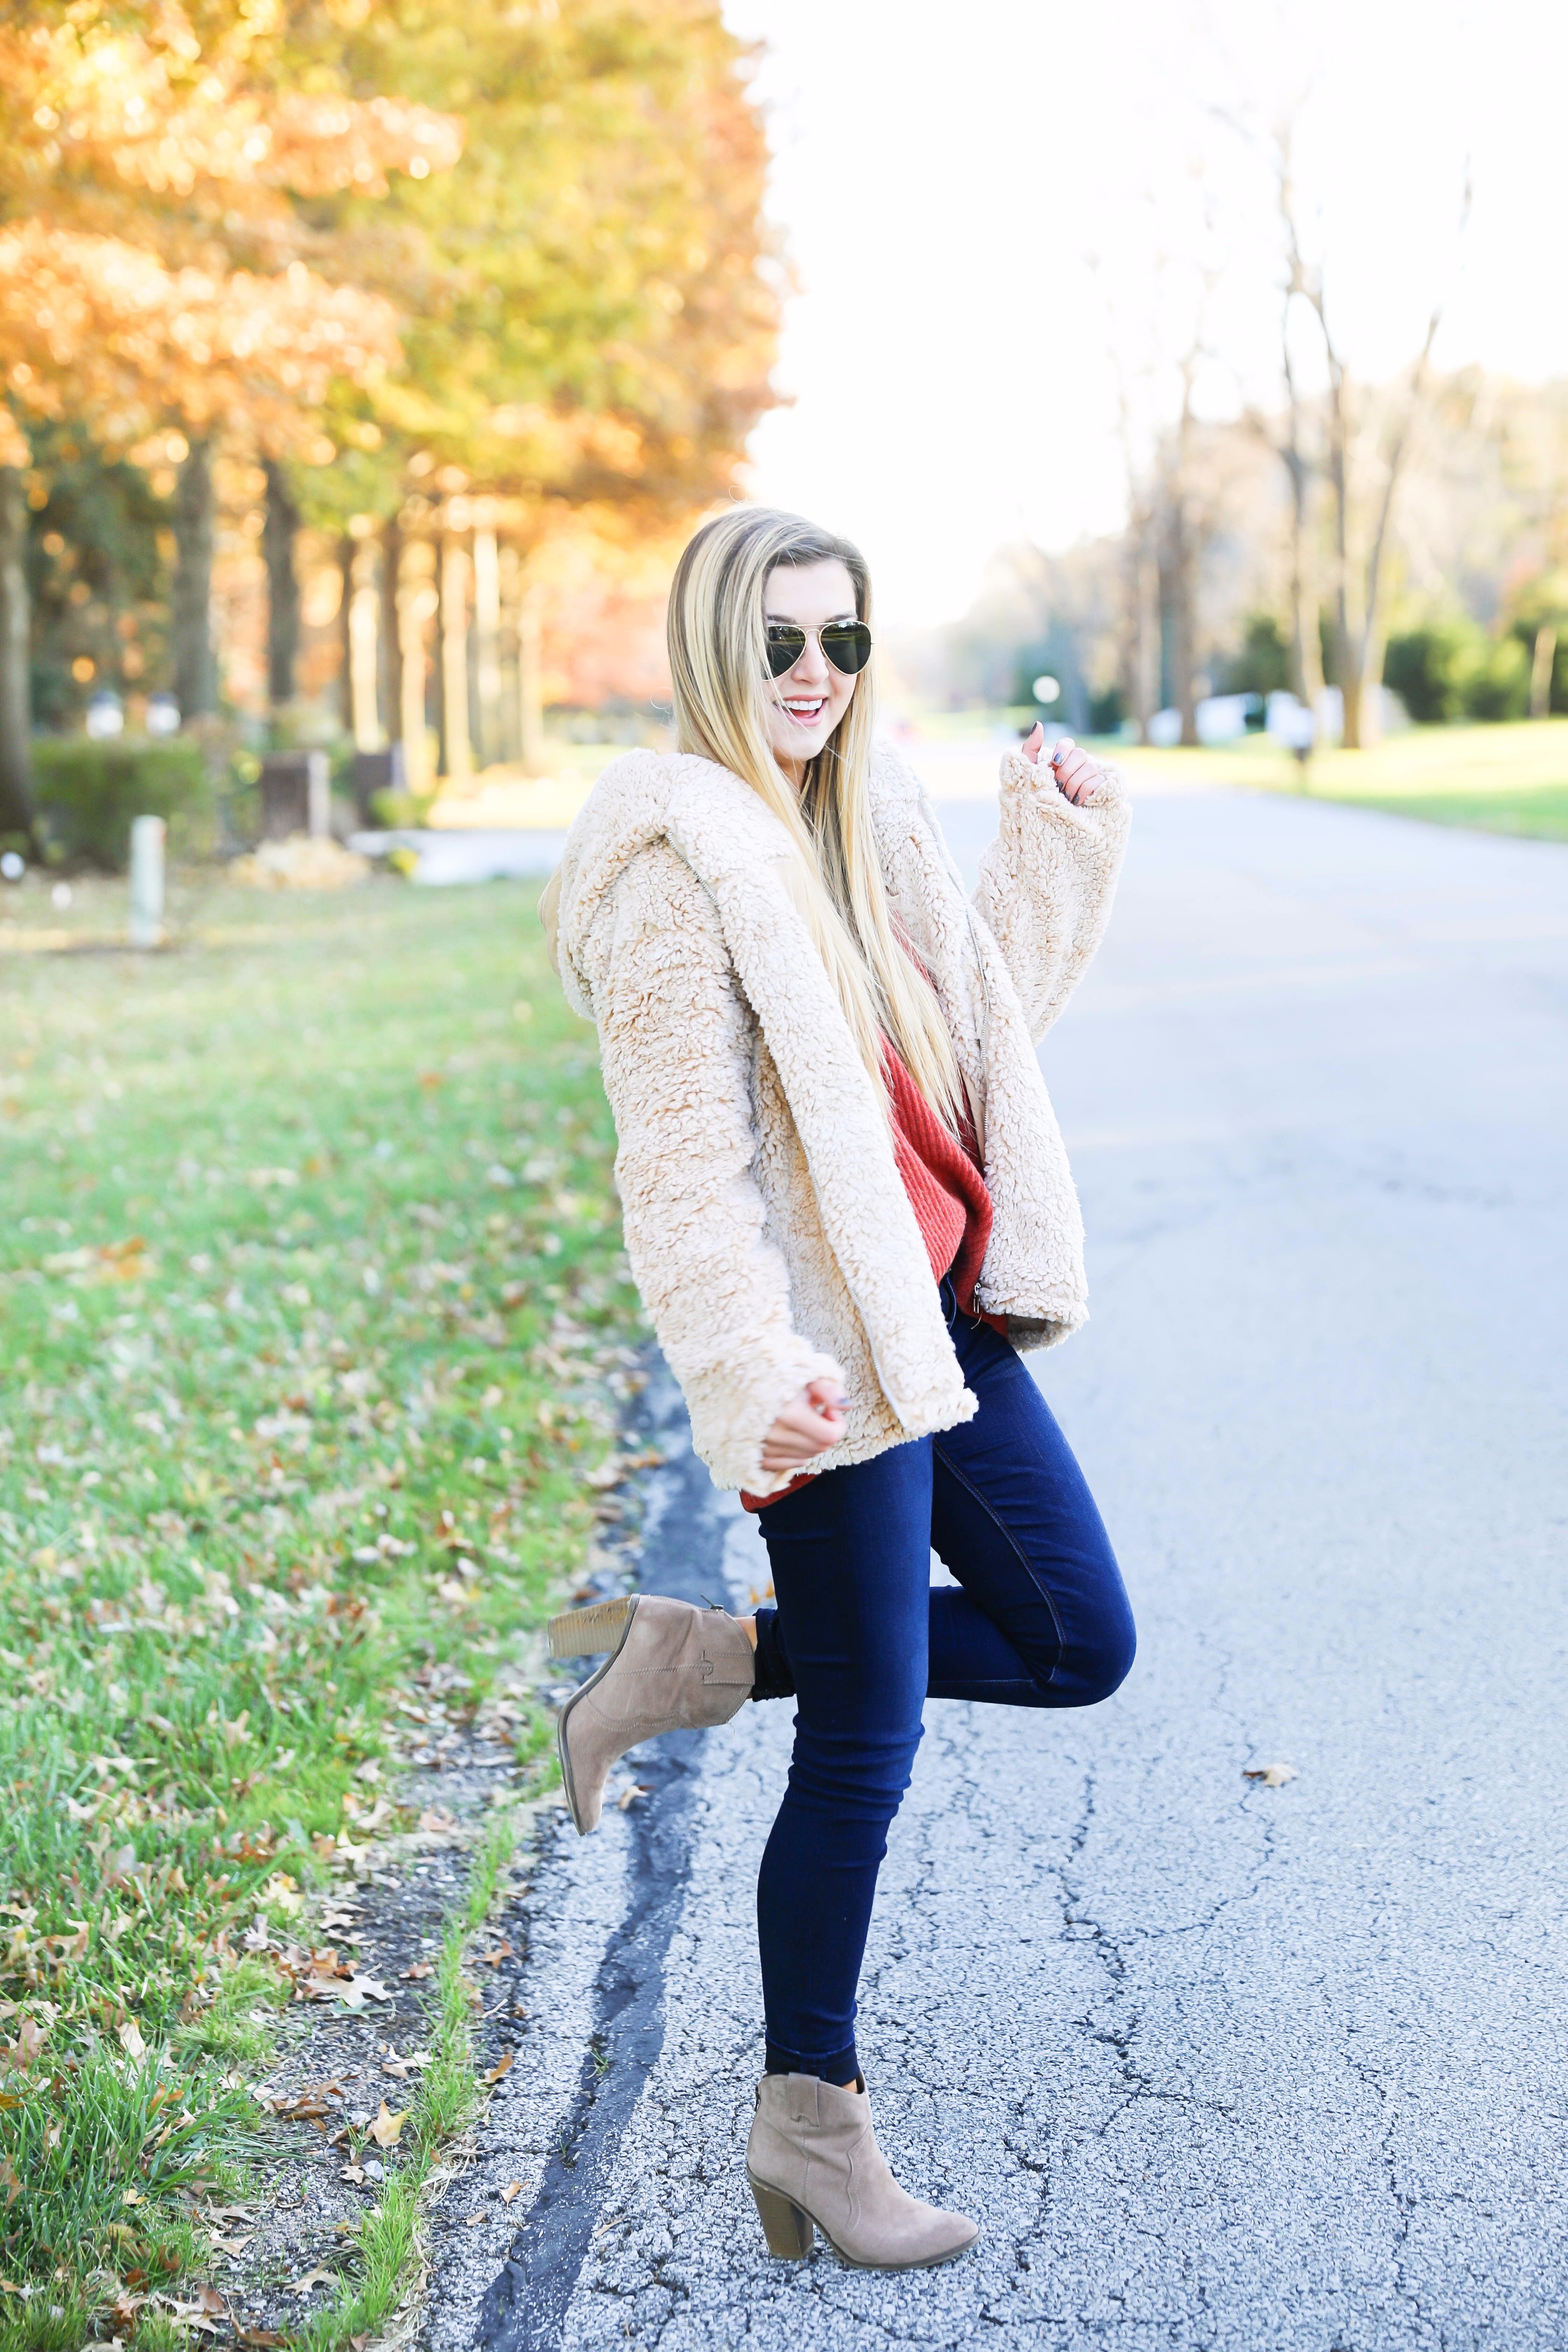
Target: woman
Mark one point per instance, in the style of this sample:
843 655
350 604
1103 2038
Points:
847 1209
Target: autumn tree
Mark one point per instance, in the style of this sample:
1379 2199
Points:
157 266
588 301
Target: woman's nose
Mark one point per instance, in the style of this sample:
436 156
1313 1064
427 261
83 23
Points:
811 669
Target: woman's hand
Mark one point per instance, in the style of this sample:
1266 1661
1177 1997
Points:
1076 773
808 1425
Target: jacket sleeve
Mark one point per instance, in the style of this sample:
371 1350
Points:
1048 880
675 1048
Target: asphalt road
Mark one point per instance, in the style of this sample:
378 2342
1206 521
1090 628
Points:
1215 2064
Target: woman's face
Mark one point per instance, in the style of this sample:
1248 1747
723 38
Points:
805 705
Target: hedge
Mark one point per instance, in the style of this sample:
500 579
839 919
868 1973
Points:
89 792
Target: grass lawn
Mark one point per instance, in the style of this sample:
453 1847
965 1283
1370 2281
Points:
311 1304
1504 779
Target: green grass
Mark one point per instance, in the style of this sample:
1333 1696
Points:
448 2099
1504 778
310 1280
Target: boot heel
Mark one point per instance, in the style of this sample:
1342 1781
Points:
583 1633
787 2230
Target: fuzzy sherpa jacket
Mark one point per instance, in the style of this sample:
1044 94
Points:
766 1225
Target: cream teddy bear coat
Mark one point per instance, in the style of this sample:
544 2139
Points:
767 1226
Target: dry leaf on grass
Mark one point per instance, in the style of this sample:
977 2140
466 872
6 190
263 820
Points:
387 2128
259 2340
356 1994
129 2036
305 2106
235 2246
504 2065
1273 1775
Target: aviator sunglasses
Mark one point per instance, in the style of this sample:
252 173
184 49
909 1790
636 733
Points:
846 644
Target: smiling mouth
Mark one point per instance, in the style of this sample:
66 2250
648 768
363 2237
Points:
807 714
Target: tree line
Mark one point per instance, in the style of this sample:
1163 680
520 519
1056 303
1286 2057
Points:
445 280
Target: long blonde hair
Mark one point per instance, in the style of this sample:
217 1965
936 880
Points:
717 661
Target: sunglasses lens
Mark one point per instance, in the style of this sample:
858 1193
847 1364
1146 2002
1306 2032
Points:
847 648
785 646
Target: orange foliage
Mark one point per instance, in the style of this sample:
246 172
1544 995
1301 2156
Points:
150 258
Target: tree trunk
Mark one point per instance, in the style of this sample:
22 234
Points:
191 619
1179 583
15 697
345 634
456 743
280 533
530 684
1305 651
416 602
487 636
1541 669
1141 664
390 631
364 664
1347 654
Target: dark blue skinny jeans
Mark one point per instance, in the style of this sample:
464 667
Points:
1038 1618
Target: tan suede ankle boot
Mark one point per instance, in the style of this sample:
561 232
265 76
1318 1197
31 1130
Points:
671 1668
813 2158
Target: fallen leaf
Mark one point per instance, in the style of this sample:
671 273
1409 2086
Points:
310 2279
133 2197
235 2246
305 2106
473 2221
437 1821
513 2188
503 1951
504 2065
8 2181
354 1994
28 2042
129 2036
387 2128
259 2340
1273 1775
354 2172
419 1971
628 1797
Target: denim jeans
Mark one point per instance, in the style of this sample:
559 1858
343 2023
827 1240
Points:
1038 1618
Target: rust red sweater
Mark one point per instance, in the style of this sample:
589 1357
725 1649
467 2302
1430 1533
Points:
948 1193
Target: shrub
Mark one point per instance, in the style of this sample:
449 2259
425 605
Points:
1453 669
1496 681
1262 665
1107 712
89 792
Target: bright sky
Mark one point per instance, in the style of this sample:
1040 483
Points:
984 202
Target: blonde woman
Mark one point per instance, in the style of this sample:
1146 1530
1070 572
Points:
847 1209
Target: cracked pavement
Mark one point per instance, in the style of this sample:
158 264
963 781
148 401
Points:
1215 2064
